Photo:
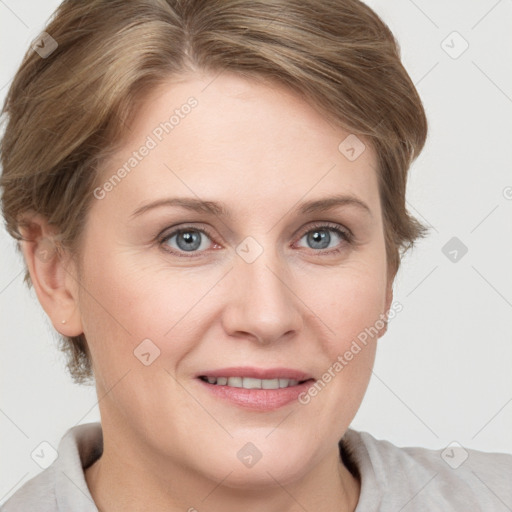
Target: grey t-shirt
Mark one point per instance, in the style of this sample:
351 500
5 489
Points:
392 478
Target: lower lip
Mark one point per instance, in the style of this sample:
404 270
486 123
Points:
258 399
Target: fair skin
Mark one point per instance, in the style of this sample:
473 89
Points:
169 444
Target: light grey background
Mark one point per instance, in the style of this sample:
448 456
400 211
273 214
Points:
443 370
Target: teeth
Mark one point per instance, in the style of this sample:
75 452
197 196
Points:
251 383
270 384
235 382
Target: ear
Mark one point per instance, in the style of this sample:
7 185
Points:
53 274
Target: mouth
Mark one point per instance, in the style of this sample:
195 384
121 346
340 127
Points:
252 383
255 388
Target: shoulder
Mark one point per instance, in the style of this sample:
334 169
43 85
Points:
415 478
38 491
62 485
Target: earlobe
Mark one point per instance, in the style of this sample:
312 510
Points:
52 274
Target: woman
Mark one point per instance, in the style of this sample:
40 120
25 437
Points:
212 213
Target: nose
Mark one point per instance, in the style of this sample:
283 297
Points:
262 305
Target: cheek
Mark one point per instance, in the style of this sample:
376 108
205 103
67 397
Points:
351 305
355 304
352 313
125 301
352 298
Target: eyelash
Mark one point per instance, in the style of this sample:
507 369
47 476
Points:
344 234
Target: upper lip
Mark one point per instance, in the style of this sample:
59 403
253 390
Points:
257 373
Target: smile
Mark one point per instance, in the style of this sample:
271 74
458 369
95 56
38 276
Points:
251 382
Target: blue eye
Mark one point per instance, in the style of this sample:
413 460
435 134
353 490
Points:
194 241
320 238
187 240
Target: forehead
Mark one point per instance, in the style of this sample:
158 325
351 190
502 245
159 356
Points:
240 140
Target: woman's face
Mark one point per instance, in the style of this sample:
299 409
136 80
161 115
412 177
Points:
261 284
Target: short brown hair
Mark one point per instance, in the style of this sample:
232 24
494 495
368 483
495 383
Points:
68 111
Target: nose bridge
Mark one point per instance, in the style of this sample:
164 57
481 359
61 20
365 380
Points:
264 304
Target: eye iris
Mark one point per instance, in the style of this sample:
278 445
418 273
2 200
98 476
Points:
192 240
319 236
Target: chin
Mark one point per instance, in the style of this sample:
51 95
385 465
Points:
262 476
249 467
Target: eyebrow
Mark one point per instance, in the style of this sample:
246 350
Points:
219 209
